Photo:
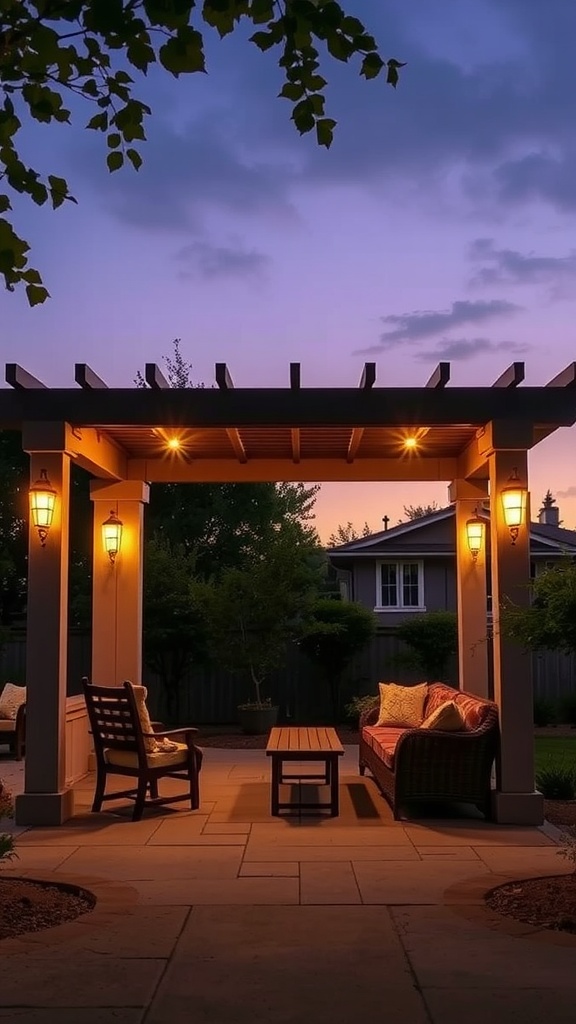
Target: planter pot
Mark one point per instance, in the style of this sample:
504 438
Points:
257 721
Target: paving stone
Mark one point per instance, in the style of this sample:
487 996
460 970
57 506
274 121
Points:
265 869
41 858
320 836
256 851
328 883
141 931
528 1005
447 951
238 828
93 832
295 966
450 852
53 981
520 858
156 862
220 892
483 834
177 832
421 881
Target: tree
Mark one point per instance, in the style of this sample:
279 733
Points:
550 621
254 612
432 639
337 631
417 511
347 533
174 626
53 50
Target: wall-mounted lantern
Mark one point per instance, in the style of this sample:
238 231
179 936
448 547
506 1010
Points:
42 502
112 535
514 500
475 535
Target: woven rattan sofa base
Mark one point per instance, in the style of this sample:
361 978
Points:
432 765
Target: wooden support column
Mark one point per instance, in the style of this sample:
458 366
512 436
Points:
46 800
473 661
117 588
515 801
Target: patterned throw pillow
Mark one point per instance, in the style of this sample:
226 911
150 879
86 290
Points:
402 705
447 717
140 694
11 698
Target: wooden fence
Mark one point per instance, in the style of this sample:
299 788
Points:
210 696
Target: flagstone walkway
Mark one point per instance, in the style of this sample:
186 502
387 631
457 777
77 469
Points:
225 915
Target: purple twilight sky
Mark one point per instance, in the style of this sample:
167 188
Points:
440 225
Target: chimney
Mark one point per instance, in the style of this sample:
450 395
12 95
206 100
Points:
549 514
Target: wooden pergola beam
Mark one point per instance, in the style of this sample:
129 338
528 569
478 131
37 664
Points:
20 379
154 377
512 376
565 379
309 471
440 377
367 381
86 378
225 383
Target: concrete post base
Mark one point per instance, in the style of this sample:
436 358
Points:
518 808
44 808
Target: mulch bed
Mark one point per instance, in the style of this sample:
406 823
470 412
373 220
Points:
29 906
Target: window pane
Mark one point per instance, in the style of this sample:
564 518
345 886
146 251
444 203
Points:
410 585
389 586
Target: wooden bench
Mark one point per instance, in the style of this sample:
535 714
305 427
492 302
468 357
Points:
304 744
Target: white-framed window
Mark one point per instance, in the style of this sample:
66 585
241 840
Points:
400 586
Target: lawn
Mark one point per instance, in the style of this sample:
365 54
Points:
549 750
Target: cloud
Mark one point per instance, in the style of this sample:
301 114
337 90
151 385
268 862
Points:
217 261
409 328
569 493
461 349
508 266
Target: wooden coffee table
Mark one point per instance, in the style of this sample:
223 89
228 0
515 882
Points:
304 744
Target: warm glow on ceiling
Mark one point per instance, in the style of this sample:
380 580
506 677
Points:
174 443
410 443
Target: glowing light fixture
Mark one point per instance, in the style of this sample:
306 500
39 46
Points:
42 502
112 535
514 499
174 443
410 443
475 535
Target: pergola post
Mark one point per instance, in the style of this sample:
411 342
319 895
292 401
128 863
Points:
117 586
473 671
515 801
46 800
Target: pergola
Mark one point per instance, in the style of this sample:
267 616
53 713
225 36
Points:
473 437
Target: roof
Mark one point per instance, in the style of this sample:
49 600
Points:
544 538
292 433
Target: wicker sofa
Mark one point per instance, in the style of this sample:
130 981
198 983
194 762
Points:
13 732
424 764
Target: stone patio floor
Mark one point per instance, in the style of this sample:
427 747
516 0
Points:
227 916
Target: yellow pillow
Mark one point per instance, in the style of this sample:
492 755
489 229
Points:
402 705
140 694
447 717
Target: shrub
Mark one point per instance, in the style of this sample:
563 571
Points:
433 639
556 781
7 851
358 705
545 712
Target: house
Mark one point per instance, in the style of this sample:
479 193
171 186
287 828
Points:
411 567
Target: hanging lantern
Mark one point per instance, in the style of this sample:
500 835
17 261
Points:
42 502
475 535
112 535
514 500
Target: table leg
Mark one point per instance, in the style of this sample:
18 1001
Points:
328 772
334 788
275 792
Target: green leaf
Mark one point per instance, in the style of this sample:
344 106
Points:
263 40
140 53
371 65
183 54
351 26
325 131
58 190
31 276
303 116
115 161
392 76
134 158
114 140
36 294
292 91
99 122
4 204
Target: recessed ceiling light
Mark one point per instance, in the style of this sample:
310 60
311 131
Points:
410 442
173 443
